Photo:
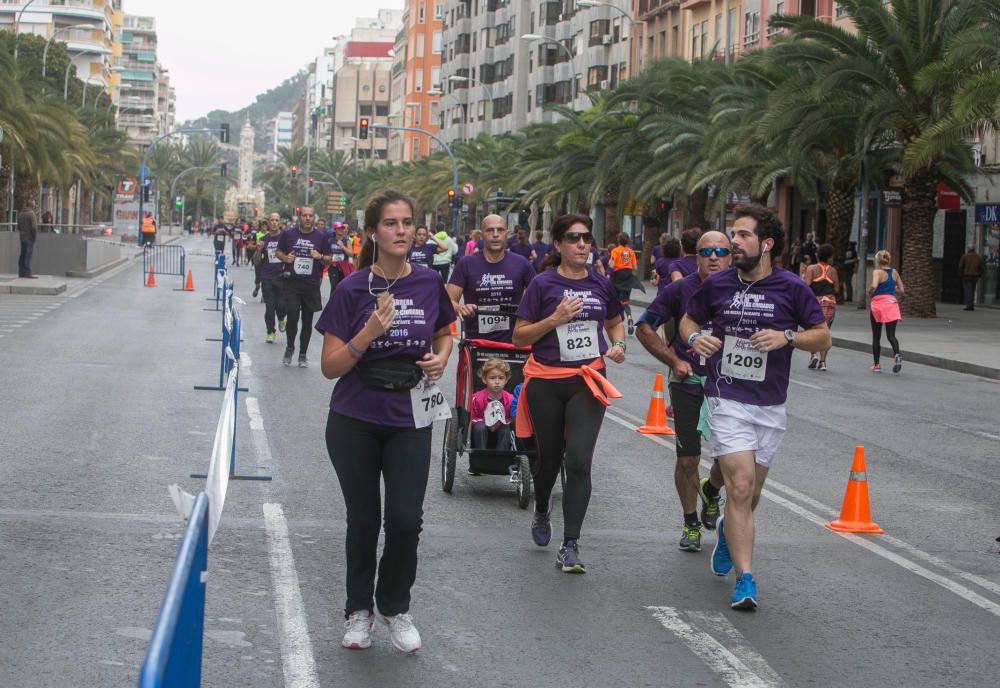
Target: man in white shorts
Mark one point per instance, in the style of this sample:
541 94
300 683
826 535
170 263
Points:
745 321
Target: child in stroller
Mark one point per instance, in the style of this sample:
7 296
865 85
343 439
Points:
490 411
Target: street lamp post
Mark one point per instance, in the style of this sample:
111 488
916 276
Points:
70 66
596 3
17 25
455 78
83 100
45 52
451 157
536 37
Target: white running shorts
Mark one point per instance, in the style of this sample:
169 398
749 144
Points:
738 427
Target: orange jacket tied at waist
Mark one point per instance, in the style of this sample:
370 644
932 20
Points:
599 386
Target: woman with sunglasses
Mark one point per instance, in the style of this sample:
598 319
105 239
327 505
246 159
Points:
386 336
563 316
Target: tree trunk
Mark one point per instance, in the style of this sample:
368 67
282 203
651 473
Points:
651 233
697 210
916 263
612 227
199 186
839 217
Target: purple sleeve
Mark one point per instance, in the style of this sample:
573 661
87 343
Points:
527 274
446 311
661 305
699 305
283 242
327 246
531 303
336 317
458 275
615 307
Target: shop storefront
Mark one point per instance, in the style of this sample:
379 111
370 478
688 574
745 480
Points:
988 233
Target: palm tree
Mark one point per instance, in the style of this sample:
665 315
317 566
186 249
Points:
892 66
201 154
293 156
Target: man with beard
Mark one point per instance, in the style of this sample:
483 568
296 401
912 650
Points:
745 322
304 250
687 394
490 277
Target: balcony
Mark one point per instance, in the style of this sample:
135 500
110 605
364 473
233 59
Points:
751 40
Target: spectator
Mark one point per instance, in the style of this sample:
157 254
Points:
970 268
807 252
850 265
46 221
27 226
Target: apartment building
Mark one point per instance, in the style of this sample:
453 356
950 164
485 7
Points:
503 61
281 134
146 104
89 28
419 104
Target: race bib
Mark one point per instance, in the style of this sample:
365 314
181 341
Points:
494 414
303 266
428 403
578 341
590 259
493 323
741 361
272 254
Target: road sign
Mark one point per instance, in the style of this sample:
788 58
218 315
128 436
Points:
468 189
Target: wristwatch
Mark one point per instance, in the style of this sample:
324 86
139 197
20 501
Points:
790 337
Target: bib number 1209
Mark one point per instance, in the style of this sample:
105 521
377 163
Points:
742 361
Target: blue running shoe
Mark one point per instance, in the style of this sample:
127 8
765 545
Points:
745 594
721 563
569 558
541 527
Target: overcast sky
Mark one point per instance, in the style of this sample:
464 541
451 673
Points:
222 54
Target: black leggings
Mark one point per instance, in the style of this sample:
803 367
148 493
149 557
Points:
363 454
890 333
552 405
292 327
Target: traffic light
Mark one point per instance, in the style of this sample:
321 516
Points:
224 170
146 196
224 134
363 128
666 204
297 211
310 182
294 171
179 201
256 212
451 197
343 201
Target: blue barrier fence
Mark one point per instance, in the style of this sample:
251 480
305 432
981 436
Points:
174 655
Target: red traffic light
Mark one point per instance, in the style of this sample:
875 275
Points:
363 128
310 181
294 170
451 194
298 210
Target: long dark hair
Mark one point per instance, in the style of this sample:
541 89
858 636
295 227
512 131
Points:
560 226
373 214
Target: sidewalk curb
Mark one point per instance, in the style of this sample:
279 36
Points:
922 359
88 274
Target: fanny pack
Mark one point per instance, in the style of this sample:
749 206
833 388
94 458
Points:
390 374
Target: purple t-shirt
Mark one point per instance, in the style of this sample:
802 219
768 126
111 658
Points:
662 310
657 252
270 267
541 250
422 308
732 308
685 265
305 268
338 248
423 255
662 268
523 250
594 257
484 283
546 292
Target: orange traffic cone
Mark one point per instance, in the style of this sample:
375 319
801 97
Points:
855 514
189 283
151 281
656 417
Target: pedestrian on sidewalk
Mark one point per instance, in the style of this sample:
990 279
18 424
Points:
386 336
886 283
970 267
27 227
847 278
822 278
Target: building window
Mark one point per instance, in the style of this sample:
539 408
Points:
381 110
416 149
420 14
751 29
597 78
436 43
365 110
598 30
420 45
704 38
548 13
416 115
418 80
840 10
436 78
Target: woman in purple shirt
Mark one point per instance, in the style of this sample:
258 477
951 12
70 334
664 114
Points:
386 336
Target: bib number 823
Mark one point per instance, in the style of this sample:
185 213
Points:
579 343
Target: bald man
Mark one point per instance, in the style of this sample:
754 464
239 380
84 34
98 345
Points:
491 277
686 392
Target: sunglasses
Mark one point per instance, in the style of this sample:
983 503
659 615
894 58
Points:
574 237
719 251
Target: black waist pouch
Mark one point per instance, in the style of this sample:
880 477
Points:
391 373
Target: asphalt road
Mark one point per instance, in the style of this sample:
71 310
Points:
101 417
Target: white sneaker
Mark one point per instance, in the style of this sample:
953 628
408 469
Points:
404 635
358 635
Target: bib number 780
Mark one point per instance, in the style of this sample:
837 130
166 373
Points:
428 404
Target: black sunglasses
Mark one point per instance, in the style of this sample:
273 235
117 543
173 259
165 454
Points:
719 251
574 237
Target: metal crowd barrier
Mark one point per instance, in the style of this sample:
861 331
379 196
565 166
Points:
164 259
174 654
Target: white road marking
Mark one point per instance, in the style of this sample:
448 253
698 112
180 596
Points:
806 384
911 566
737 644
253 411
719 658
297 658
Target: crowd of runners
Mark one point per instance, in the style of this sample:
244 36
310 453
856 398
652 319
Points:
724 322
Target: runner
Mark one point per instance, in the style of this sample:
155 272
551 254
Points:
249 251
386 336
657 252
886 283
752 312
622 264
447 249
661 268
237 244
342 254
305 251
471 246
521 247
564 395
686 385
491 277
422 253
822 278
688 263
541 250
219 233
271 271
